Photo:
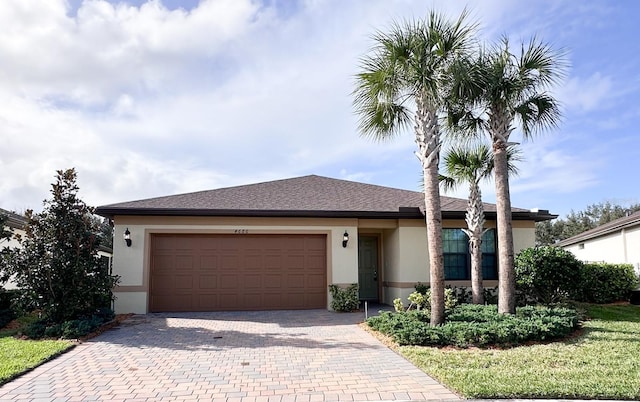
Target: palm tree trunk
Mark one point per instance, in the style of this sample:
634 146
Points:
475 223
506 270
428 141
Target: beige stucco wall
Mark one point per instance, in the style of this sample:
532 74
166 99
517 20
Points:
132 263
406 261
621 247
403 249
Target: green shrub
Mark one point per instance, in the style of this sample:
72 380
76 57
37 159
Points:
344 299
6 315
476 325
7 306
71 329
606 283
547 274
422 288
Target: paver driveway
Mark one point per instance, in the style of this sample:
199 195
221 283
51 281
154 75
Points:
247 356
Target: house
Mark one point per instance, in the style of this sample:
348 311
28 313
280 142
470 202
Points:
615 242
279 244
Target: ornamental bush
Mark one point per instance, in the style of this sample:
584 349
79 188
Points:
344 300
606 283
547 274
476 325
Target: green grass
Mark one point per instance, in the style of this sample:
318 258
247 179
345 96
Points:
602 363
18 356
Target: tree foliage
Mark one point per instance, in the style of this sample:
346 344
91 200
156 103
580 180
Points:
57 265
594 215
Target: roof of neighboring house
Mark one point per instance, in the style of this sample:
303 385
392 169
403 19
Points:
306 196
608 228
14 220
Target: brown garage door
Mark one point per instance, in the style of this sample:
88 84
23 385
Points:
237 272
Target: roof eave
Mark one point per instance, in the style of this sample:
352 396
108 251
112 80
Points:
405 213
111 212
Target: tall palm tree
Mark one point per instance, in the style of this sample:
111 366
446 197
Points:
472 165
504 91
405 71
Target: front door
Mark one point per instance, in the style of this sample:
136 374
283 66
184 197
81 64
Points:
368 267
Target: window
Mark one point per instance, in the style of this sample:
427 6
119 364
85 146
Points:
457 260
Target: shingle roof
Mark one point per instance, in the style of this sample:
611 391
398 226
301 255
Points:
301 196
608 228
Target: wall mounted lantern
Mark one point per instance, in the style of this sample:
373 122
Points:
345 239
127 237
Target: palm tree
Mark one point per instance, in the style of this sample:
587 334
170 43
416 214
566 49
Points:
405 71
504 91
472 165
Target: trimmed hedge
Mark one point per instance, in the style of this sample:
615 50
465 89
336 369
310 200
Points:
550 275
606 283
477 325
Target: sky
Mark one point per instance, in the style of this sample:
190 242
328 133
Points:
153 98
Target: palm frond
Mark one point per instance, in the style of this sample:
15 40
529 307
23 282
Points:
538 112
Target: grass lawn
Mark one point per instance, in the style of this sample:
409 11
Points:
603 363
17 356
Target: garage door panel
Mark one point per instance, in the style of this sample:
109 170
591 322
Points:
253 262
273 301
272 261
183 282
229 281
272 281
184 262
208 282
295 281
209 262
230 272
253 281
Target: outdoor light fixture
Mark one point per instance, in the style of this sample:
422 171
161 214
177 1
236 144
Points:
345 239
127 237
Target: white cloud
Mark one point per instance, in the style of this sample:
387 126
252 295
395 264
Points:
587 94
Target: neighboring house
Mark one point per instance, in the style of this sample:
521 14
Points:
616 242
279 244
16 223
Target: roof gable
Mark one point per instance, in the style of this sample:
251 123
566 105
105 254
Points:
301 196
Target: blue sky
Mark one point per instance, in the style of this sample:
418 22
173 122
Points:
163 97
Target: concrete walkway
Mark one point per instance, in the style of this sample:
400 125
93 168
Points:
245 356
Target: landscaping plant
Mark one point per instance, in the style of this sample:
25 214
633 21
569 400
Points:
57 266
547 274
606 283
344 299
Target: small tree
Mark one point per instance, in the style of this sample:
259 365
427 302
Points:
58 266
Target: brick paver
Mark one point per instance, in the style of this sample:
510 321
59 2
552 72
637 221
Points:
230 356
